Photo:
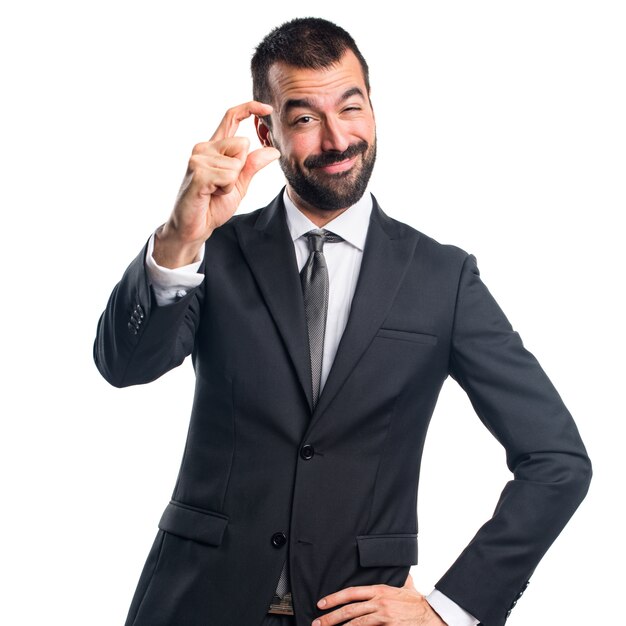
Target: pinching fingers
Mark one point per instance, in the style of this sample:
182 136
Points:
231 120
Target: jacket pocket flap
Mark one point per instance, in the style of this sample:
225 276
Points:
381 550
192 523
407 335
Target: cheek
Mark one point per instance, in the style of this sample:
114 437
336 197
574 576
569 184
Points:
367 132
301 147
306 142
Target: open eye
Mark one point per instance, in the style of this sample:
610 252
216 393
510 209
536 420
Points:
305 119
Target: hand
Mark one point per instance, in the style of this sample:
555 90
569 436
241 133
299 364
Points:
217 179
380 605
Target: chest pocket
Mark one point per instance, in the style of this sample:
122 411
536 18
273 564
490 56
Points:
407 335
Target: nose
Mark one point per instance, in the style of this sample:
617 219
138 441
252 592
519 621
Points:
334 136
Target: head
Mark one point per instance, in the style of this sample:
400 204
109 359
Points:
312 73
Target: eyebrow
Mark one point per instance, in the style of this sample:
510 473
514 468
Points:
305 103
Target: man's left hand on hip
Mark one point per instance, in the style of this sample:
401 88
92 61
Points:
379 605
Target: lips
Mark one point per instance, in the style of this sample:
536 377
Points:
341 166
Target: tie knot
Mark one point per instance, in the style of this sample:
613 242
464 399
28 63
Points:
318 237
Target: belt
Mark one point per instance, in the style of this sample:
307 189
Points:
281 607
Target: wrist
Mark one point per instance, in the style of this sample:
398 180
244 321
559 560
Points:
171 251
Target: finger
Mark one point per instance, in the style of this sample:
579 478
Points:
255 162
346 613
364 592
215 181
230 146
217 160
230 122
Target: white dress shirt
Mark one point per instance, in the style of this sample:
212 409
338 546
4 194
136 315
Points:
343 260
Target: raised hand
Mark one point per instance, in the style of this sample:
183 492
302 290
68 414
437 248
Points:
218 175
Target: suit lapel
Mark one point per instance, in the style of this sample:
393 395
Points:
388 250
269 250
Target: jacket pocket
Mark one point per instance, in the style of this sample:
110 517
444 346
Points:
382 550
190 522
407 335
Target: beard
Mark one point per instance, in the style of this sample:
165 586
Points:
332 191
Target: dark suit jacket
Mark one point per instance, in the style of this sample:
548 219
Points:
262 474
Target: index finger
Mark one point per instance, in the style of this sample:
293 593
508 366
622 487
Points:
363 592
230 122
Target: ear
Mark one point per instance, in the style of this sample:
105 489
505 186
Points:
262 131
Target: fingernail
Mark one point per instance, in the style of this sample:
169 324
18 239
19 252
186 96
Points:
316 623
322 602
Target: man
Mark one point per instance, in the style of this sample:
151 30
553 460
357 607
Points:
321 331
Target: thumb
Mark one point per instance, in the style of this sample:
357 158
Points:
256 161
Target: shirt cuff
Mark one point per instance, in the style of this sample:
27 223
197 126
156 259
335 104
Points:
449 611
170 285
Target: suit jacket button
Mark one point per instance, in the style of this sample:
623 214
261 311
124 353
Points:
279 540
307 452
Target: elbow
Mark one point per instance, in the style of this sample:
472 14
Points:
108 375
576 477
114 376
582 476
565 475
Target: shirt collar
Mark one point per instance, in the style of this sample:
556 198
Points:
351 224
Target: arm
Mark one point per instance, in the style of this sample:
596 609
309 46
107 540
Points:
137 340
516 401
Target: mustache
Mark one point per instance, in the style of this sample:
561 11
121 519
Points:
328 158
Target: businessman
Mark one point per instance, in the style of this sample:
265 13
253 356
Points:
321 331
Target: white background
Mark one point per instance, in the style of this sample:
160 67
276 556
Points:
501 130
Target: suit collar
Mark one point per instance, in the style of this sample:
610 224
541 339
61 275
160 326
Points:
268 248
351 225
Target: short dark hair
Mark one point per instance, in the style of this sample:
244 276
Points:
304 42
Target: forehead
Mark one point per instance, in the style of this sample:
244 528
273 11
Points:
288 82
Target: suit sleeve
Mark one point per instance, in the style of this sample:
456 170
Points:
516 401
171 284
137 340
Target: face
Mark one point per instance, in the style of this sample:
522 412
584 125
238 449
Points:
323 125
